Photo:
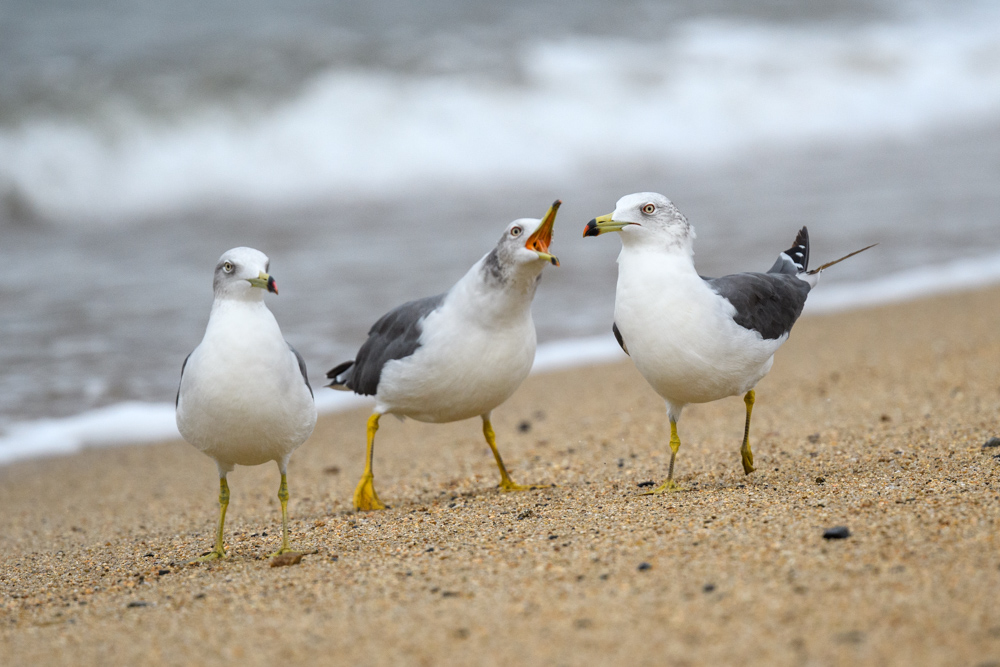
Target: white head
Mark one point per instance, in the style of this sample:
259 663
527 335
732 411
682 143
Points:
523 250
645 218
242 274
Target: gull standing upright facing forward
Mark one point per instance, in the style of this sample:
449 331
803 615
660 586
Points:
244 397
459 354
697 339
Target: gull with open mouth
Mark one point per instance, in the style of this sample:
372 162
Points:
459 354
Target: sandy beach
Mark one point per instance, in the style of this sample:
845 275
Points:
875 420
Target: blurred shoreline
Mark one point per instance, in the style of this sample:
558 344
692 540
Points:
136 422
375 152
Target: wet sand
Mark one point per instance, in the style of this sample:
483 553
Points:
874 420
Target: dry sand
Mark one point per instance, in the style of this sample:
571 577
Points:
874 420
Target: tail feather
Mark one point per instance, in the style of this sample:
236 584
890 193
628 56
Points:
340 375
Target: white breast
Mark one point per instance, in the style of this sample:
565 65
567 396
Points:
681 334
471 359
242 397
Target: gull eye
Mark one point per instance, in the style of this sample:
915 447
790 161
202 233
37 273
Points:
649 209
516 231
227 267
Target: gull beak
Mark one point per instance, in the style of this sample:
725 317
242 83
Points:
604 224
264 281
540 240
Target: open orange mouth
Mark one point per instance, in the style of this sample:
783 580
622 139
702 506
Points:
542 238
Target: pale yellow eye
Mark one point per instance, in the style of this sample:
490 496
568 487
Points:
649 209
516 231
227 267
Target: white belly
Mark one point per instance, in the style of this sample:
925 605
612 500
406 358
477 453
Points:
244 402
459 372
688 348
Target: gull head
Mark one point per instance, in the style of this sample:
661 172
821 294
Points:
644 217
523 248
241 273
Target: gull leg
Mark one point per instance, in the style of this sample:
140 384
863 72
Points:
745 449
670 484
365 497
506 483
283 497
218 551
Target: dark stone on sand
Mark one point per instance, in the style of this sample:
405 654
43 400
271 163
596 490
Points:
836 533
643 484
137 603
524 426
708 588
992 442
644 566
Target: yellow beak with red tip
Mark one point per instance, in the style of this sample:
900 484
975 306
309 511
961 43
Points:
264 281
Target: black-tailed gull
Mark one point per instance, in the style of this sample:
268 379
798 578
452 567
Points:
459 354
244 396
697 339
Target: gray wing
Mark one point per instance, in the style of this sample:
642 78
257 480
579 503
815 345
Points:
302 367
768 303
396 335
177 399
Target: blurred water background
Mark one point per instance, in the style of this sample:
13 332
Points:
376 150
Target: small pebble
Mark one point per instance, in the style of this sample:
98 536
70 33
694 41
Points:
137 603
524 426
836 533
992 442
643 484
644 566
290 558
708 588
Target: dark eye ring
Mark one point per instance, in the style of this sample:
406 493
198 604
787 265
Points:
227 267
649 209
516 231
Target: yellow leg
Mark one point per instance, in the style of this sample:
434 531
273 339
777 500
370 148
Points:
283 497
365 497
745 449
506 483
219 551
670 484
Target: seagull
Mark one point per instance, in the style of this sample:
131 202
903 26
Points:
244 396
459 354
697 339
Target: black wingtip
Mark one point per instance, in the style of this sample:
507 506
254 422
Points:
338 370
800 251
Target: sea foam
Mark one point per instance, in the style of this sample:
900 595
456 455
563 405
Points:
706 91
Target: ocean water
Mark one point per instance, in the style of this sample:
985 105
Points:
376 151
